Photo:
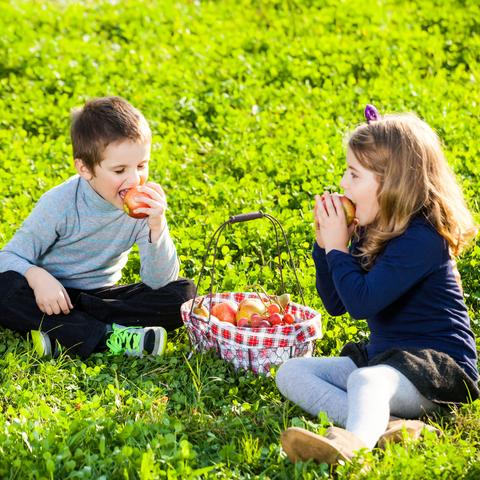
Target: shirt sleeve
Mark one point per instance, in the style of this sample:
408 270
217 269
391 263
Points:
159 261
324 283
407 260
36 235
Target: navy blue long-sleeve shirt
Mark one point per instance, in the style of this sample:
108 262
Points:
410 298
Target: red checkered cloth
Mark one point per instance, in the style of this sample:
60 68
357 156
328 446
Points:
255 349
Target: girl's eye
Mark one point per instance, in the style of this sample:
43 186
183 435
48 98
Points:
353 175
120 171
144 165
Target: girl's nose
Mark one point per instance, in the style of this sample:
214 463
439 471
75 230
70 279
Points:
343 183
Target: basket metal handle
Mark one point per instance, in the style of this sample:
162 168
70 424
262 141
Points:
245 217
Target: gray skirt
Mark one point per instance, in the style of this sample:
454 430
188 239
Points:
435 374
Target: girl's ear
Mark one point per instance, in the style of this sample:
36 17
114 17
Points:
82 169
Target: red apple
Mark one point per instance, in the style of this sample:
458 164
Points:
264 324
288 318
249 306
273 308
226 312
275 319
348 207
242 321
130 204
255 320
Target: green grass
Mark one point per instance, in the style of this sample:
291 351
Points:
248 102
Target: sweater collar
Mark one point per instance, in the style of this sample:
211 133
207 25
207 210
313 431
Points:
93 199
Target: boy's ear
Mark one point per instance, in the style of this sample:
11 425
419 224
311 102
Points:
82 169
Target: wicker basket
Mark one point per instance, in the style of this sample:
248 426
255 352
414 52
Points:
252 349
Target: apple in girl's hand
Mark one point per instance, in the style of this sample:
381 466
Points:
348 207
130 204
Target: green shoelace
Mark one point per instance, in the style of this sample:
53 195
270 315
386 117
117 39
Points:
122 340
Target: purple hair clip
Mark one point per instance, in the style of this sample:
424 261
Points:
371 114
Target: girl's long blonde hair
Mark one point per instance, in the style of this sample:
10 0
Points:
414 179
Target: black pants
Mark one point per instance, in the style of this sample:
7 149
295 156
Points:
81 329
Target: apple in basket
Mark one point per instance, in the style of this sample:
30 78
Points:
243 322
264 324
250 306
275 319
255 320
226 312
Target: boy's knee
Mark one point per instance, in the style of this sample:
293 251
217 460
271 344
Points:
189 288
10 280
184 287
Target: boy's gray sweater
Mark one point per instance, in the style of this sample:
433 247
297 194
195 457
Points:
84 241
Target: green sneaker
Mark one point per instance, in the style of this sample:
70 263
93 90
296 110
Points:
43 345
132 341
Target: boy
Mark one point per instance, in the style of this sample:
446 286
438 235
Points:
59 272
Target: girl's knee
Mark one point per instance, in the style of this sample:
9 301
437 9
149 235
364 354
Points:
364 376
286 374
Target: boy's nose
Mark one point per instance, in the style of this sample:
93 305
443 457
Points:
135 179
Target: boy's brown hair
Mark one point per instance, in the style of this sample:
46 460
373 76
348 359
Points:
102 122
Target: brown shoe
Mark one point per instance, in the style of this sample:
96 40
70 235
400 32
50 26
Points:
414 428
300 445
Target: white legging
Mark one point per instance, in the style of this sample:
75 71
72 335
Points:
360 399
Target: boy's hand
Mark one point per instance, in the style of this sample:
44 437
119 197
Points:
50 294
156 213
332 224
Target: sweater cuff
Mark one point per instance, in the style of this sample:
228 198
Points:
162 239
336 257
318 253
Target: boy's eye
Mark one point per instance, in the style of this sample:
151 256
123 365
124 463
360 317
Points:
120 171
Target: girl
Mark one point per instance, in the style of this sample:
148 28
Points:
400 275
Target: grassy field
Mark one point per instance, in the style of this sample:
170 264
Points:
248 101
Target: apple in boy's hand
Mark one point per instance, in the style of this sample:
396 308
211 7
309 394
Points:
130 204
348 207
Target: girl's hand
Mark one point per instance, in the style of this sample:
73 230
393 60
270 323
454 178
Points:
318 233
333 231
156 211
